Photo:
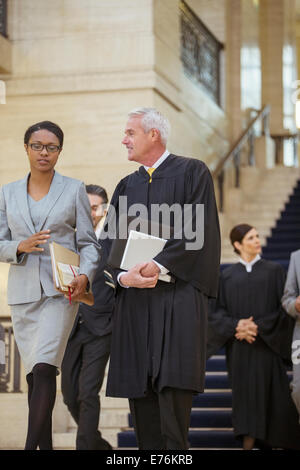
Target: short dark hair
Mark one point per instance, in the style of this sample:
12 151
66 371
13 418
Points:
98 191
47 125
237 234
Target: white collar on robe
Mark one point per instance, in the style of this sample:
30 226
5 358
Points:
159 161
249 265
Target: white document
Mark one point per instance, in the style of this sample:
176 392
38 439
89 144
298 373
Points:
142 248
67 272
63 273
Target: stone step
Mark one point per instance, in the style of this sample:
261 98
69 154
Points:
109 418
259 210
14 414
291 173
64 441
67 440
260 222
267 205
263 210
266 212
114 403
283 186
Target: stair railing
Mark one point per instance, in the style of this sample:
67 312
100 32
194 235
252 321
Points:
10 378
234 155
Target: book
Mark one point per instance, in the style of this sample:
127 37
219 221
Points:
142 248
65 266
138 247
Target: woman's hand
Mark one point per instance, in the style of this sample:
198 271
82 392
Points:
78 287
30 245
246 329
250 338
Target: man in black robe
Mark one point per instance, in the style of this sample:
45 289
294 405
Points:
158 350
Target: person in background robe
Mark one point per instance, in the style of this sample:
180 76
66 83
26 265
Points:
159 335
249 321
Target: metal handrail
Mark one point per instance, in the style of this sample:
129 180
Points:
248 135
237 146
10 378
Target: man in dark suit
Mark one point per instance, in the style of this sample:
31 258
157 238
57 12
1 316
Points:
88 348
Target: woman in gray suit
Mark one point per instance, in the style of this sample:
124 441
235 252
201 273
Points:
44 206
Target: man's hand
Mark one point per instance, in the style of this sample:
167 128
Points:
31 244
150 270
135 278
246 329
78 287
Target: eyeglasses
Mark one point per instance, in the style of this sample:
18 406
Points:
49 147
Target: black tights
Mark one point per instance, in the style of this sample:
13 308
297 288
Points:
41 398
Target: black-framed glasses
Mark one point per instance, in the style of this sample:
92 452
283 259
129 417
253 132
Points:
51 148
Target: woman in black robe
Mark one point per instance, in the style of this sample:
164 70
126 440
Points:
257 333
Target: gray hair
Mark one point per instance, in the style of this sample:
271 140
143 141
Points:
153 119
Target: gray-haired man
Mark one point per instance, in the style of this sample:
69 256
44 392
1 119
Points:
159 335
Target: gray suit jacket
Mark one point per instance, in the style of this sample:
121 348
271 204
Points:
68 217
292 285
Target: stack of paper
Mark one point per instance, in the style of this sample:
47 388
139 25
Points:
65 266
142 248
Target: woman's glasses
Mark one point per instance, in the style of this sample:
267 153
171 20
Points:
51 148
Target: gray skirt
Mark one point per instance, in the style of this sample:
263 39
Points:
42 329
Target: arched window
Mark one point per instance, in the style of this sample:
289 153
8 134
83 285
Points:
200 52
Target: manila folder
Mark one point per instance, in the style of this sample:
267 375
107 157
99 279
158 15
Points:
61 255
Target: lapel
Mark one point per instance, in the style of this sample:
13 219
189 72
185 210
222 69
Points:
21 196
56 188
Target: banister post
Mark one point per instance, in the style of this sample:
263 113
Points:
266 123
236 160
221 190
251 156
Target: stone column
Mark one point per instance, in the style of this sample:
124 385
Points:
233 66
271 43
277 40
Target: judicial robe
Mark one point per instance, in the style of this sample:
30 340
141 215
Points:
262 406
161 332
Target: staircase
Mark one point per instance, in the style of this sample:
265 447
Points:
210 426
285 236
263 208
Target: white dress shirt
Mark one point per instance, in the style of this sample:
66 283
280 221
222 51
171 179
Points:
250 264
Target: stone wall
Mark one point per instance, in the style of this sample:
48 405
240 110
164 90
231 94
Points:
85 64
